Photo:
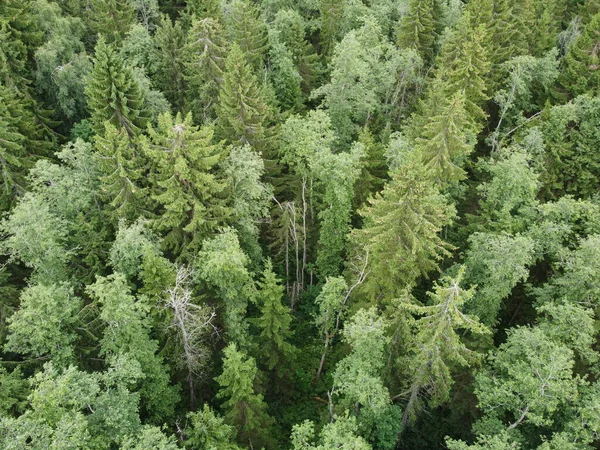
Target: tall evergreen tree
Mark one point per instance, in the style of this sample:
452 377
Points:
446 141
243 407
581 71
184 181
243 114
401 232
170 39
113 93
111 18
417 28
245 27
205 54
274 322
463 66
121 168
438 345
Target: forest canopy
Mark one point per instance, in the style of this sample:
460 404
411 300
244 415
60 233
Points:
300 225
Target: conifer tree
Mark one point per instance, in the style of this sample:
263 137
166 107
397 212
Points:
581 72
184 181
13 152
170 39
113 94
290 28
274 321
19 37
243 114
121 173
438 345
245 28
446 140
330 26
112 18
285 78
243 407
204 55
401 232
464 66
417 28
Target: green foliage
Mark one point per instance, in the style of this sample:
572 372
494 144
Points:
222 266
363 73
274 322
529 380
111 18
401 232
569 133
344 195
127 335
184 182
36 238
495 263
580 73
243 111
13 392
43 324
244 28
150 438
341 434
357 378
112 92
61 63
417 28
446 141
121 173
70 409
170 39
243 407
438 347
209 431
204 62
508 198
249 197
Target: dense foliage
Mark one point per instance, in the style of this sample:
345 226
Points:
303 225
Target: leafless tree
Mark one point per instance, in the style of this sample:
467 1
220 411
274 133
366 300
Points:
192 323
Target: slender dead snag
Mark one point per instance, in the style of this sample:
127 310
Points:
191 323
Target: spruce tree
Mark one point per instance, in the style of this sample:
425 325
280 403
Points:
401 232
243 114
19 37
13 153
112 18
417 28
274 322
121 168
170 39
330 23
204 54
463 66
438 346
243 407
184 181
581 72
245 27
446 140
113 94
